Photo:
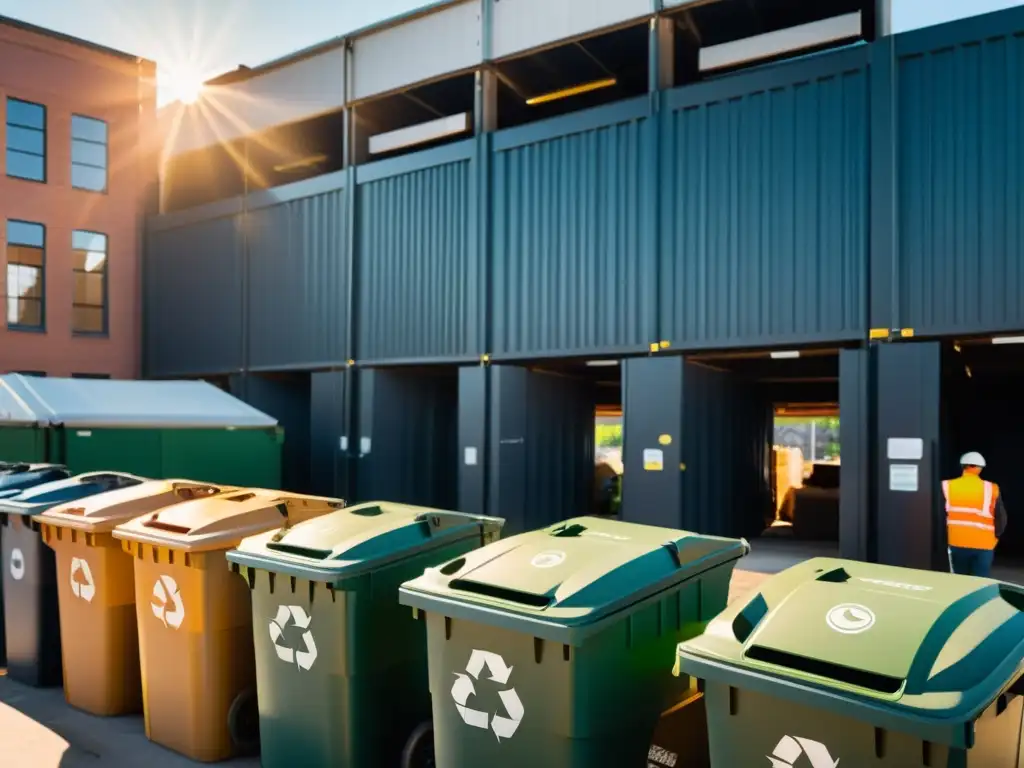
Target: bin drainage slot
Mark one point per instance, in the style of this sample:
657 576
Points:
868 680
241 497
501 593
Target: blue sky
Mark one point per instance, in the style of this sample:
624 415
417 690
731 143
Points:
207 37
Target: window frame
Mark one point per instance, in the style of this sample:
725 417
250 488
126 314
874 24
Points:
105 332
41 328
106 155
46 135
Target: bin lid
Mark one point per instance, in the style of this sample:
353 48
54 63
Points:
222 521
562 582
19 476
351 541
39 498
14 409
104 511
910 649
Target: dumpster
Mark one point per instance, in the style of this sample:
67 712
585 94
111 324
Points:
31 619
554 648
96 591
195 619
838 662
341 665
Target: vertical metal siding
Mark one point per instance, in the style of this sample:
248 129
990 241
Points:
961 182
421 279
573 247
193 299
765 207
298 273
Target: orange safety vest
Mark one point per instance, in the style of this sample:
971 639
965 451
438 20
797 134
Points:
970 512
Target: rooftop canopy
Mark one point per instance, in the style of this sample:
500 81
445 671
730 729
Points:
116 403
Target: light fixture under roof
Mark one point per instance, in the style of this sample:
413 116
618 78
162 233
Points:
789 354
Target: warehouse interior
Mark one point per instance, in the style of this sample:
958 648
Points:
982 410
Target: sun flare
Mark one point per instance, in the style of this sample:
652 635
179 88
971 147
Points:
180 85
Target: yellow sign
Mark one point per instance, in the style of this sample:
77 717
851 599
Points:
654 460
665 439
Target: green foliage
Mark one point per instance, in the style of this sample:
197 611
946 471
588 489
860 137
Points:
609 435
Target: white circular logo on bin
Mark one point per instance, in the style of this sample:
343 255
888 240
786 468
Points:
503 725
167 605
17 564
548 559
82 584
850 618
287 614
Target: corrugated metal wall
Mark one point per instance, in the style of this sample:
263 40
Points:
541 448
764 219
193 297
286 397
960 164
408 436
328 461
422 282
298 283
573 225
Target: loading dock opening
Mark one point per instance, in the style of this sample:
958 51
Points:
981 410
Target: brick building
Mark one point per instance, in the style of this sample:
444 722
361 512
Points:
75 181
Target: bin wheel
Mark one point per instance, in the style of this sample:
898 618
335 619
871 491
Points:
244 722
419 749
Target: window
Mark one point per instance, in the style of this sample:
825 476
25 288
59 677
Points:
36 374
90 375
89 306
26 140
26 296
88 153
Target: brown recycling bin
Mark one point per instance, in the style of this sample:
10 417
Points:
96 591
195 618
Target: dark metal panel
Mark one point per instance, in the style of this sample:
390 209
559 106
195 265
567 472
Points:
408 436
541 448
574 266
420 274
473 447
716 468
961 181
286 397
855 411
193 299
329 433
298 276
910 525
764 224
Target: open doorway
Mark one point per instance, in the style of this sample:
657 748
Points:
982 410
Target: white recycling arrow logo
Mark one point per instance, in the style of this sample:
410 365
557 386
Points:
17 564
82 584
504 727
167 605
789 749
293 613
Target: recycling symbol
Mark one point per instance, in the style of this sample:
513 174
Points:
17 564
167 605
503 727
293 613
790 748
82 584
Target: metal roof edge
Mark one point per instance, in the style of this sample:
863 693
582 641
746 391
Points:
52 33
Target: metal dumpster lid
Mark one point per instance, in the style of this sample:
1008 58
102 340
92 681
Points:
39 498
104 511
569 575
223 520
930 647
355 539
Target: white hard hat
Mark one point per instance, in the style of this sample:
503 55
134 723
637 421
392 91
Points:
972 459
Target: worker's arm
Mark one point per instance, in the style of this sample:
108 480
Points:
1000 516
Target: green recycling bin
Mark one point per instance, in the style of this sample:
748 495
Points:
341 666
553 649
844 663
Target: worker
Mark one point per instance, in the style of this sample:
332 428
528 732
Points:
975 518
